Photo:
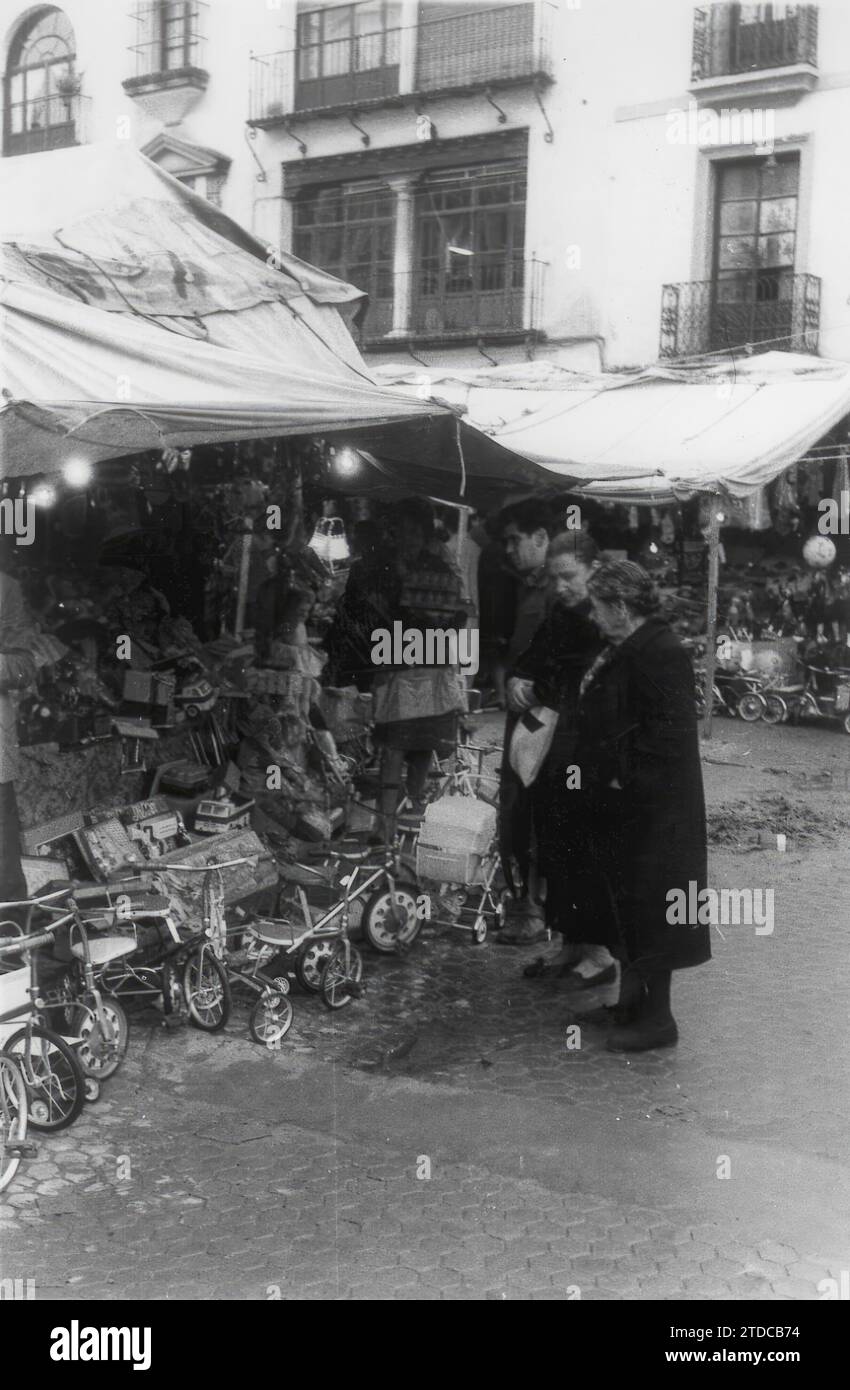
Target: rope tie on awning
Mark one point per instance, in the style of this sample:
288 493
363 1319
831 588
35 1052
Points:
462 459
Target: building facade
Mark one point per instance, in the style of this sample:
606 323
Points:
596 182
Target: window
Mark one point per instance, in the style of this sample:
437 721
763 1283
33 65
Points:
336 45
176 21
169 35
763 36
41 87
755 248
470 248
752 39
209 186
348 230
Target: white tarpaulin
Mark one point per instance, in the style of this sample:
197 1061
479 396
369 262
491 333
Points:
656 434
134 315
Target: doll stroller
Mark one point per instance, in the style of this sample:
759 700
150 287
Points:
457 848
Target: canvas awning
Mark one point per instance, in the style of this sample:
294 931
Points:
134 315
657 434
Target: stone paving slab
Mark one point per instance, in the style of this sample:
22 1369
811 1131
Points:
212 1169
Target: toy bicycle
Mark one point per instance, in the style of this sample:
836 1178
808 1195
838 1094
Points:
46 1061
141 946
319 952
14 1115
825 694
271 1014
71 1000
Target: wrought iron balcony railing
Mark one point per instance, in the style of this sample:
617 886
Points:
726 43
46 123
486 296
485 47
170 38
772 308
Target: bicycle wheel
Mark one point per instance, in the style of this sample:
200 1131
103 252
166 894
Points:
105 1035
775 709
311 961
341 976
751 707
271 1018
389 924
52 1075
13 1118
206 990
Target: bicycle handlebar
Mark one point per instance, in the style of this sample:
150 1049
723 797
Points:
22 944
206 868
38 902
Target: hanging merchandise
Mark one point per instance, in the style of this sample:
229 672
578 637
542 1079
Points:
329 542
750 513
841 478
819 552
811 486
668 529
786 511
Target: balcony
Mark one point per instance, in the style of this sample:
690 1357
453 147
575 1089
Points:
47 123
497 297
774 57
487 48
169 50
775 309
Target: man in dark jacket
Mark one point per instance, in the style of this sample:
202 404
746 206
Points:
525 535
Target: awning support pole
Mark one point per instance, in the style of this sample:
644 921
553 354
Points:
244 568
711 615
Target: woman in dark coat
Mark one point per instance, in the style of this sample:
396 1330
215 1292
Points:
643 795
549 672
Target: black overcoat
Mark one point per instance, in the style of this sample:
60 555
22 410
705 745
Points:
637 727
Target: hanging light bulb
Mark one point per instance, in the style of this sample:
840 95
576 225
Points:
346 462
43 495
78 472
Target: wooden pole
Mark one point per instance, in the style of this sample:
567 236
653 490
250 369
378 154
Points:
244 567
711 615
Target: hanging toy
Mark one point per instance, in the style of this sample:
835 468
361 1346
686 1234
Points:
329 542
819 552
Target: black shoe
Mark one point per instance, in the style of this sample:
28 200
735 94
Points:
643 1036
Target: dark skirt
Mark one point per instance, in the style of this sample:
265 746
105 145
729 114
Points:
575 853
431 733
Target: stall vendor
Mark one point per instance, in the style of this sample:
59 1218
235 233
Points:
415 708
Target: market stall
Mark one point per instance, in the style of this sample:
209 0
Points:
708 451
181 408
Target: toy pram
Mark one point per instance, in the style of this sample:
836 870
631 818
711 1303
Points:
457 848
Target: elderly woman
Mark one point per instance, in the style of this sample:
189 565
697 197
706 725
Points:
643 795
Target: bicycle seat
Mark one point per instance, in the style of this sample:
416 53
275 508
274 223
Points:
149 905
272 933
104 949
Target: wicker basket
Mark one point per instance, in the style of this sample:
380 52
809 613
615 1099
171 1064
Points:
445 866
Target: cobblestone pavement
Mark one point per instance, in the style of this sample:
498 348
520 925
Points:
440 1139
